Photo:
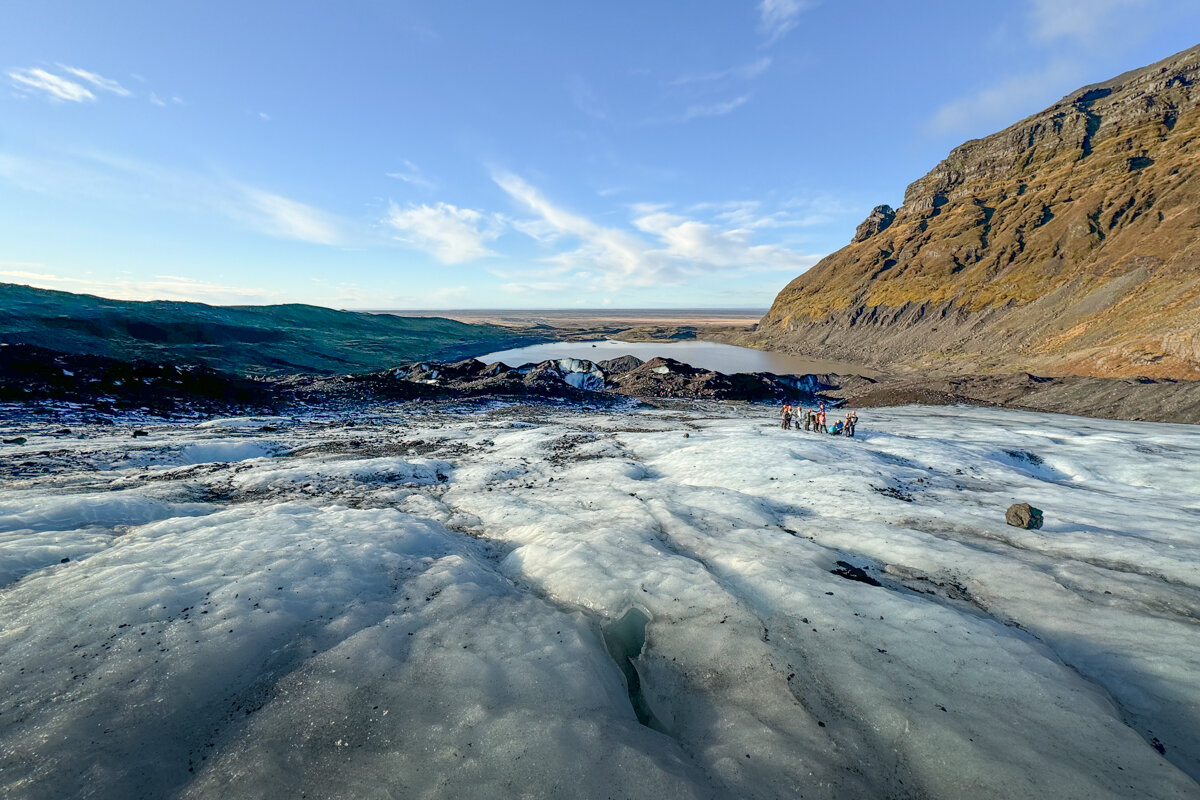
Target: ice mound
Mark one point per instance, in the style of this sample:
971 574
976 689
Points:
38 530
35 512
214 451
208 647
24 553
581 374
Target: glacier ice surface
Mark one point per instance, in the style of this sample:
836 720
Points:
548 602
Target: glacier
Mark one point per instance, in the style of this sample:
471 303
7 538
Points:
496 600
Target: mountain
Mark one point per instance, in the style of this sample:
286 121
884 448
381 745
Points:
276 339
1068 243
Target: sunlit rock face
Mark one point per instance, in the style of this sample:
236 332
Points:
514 601
1064 244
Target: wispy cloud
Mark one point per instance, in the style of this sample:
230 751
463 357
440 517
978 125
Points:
99 81
450 234
714 109
1007 100
641 209
700 111
536 229
584 98
53 86
413 174
778 17
20 265
289 219
157 287
1051 20
1067 33
740 72
618 253
433 300
693 242
679 247
114 180
75 85
447 293
750 215
744 214
264 116
535 287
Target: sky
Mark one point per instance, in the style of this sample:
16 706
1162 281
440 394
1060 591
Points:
455 155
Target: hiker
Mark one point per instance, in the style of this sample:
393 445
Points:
787 416
851 421
808 420
821 420
837 428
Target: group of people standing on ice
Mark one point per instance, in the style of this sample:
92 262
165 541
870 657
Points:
815 420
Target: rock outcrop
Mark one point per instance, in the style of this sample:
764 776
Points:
1067 244
877 221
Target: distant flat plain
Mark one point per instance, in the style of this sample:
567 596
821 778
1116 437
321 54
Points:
586 317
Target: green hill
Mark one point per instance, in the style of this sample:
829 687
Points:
244 339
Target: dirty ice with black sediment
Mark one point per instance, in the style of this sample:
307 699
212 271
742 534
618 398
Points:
540 602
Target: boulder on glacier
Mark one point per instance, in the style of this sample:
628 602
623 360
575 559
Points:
1023 515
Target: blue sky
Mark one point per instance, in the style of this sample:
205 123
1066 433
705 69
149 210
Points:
504 155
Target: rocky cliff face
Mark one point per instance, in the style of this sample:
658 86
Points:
1068 243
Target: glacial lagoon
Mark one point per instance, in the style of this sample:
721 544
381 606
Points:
725 358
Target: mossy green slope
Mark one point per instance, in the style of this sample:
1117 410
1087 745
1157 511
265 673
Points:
277 339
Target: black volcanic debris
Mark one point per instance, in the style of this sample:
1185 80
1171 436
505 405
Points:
33 374
620 364
29 373
665 377
566 379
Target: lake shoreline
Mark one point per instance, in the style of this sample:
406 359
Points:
31 375
706 354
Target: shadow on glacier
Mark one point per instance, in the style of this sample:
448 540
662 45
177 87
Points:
1029 464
